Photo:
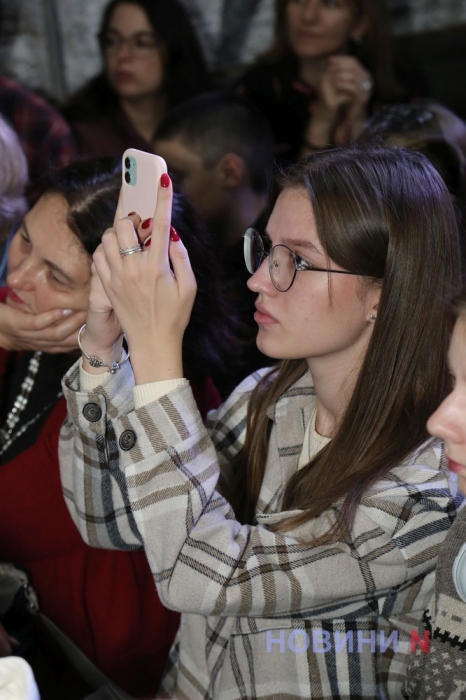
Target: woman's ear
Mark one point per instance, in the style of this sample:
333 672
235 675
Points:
373 314
372 302
231 168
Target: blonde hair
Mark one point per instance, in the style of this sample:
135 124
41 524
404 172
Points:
13 179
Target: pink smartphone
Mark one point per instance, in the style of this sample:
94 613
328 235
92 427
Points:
141 173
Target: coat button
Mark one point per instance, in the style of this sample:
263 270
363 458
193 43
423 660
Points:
92 412
127 440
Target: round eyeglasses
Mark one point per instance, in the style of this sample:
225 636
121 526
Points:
283 262
140 44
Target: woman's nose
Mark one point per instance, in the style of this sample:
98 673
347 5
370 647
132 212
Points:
449 420
260 281
124 49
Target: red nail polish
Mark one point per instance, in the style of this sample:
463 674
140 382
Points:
131 213
147 242
174 235
165 180
146 223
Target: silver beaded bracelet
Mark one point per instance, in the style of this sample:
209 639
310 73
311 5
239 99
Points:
96 361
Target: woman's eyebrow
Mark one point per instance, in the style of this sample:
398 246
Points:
302 243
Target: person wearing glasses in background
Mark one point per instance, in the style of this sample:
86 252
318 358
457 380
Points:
298 531
151 62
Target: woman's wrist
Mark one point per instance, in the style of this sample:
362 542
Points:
96 358
155 364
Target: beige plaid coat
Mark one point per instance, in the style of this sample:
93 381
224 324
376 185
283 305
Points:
264 615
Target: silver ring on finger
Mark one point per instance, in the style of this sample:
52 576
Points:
129 251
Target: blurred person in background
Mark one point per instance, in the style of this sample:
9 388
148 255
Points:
152 61
435 131
13 180
219 150
44 135
330 63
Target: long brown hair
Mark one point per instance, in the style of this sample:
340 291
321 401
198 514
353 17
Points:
387 215
374 51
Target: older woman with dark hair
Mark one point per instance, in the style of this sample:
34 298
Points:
104 602
330 63
152 62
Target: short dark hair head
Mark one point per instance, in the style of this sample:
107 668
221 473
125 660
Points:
214 124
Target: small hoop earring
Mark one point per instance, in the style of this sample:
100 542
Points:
373 317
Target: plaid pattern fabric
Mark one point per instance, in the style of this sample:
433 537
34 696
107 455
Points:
44 134
264 615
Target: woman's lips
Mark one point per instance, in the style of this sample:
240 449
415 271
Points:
123 76
14 297
455 467
262 317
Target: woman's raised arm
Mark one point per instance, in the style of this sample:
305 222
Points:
150 476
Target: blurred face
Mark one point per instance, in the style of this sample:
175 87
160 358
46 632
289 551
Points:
201 186
321 28
449 420
133 57
48 267
323 317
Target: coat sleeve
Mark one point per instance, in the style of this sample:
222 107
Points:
162 492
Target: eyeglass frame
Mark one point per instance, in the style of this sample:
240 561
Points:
300 264
129 40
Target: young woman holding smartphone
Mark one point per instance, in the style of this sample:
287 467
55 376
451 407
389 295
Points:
298 532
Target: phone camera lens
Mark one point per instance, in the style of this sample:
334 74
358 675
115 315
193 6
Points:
127 177
127 163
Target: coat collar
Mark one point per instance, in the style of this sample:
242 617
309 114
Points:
290 416
295 399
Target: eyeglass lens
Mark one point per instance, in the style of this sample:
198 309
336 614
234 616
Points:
281 262
282 267
254 252
140 43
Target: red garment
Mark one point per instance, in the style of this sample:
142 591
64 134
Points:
105 601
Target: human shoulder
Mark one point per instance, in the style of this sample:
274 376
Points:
23 94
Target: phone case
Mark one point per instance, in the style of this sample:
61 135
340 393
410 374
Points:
141 173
